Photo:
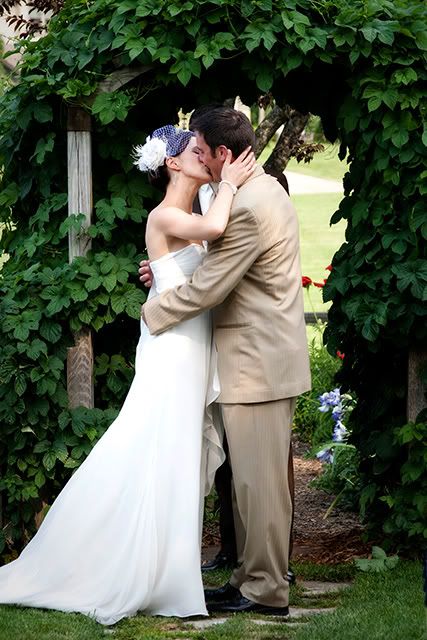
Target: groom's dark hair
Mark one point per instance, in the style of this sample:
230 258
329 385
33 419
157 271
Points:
223 125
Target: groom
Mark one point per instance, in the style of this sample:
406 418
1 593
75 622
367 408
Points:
251 278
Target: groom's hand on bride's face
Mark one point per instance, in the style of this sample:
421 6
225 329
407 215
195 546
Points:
145 273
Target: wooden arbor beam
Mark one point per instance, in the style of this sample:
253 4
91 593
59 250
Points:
80 386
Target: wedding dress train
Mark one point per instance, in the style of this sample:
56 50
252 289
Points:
124 534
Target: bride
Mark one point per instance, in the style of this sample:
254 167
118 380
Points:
124 534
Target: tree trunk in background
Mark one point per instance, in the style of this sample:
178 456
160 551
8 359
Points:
268 127
289 141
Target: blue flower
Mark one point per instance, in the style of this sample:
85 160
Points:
340 432
337 412
325 455
329 399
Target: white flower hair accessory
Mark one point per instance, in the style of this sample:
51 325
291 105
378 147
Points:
168 141
151 155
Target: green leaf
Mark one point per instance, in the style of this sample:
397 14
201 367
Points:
39 478
405 76
264 79
36 348
186 67
112 106
9 195
21 332
46 386
378 553
390 97
299 18
42 446
369 33
374 103
109 282
134 300
86 315
42 112
77 292
22 465
50 331
43 146
391 562
49 460
20 384
118 302
64 420
93 283
400 137
57 304
421 39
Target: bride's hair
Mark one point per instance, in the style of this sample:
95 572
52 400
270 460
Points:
160 178
166 142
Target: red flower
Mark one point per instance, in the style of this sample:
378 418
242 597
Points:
306 282
340 355
328 268
320 284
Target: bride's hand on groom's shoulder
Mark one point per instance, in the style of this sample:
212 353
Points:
145 273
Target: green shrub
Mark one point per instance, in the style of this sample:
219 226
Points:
341 477
404 495
310 424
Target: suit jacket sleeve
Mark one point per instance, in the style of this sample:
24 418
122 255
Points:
225 264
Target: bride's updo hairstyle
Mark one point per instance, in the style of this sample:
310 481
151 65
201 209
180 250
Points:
166 142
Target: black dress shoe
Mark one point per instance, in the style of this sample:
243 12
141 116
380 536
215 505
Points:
224 593
240 604
221 561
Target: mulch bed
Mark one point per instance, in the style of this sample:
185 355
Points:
330 540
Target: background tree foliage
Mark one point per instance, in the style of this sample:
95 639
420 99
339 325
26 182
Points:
359 66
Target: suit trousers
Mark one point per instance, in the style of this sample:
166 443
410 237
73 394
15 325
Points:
258 436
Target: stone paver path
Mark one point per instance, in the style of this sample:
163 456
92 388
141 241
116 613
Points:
312 589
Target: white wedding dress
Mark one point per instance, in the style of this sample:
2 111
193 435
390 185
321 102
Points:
124 535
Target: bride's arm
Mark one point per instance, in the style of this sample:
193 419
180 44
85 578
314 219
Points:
175 222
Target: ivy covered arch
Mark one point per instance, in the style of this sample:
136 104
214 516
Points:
361 67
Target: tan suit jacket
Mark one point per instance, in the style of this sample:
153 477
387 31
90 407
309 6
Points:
251 277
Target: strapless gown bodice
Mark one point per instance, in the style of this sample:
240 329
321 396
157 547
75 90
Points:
176 267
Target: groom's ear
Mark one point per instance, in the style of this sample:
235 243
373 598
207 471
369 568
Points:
221 152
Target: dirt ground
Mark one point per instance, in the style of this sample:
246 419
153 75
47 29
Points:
334 539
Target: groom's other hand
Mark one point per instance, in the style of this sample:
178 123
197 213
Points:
145 273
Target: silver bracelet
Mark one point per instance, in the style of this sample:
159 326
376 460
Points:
230 184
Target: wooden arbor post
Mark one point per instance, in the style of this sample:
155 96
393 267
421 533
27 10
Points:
80 357
416 400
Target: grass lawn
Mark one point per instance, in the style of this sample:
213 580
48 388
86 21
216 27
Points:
319 241
380 606
325 165
385 606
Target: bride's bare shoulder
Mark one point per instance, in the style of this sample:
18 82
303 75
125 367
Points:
163 212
